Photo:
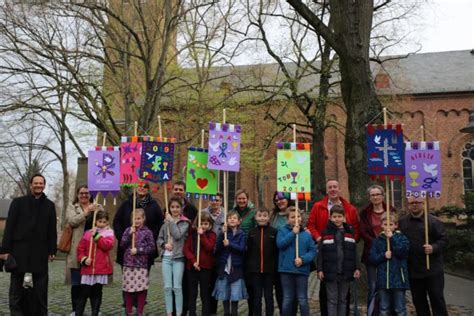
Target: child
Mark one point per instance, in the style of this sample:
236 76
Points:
391 290
200 273
171 241
337 262
294 270
135 278
230 285
261 251
95 269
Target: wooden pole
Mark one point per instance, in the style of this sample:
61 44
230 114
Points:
296 204
425 209
134 207
387 187
91 242
160 134
226 178
199 211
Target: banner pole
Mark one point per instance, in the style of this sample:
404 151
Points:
425 209
296 203
387 187
104 138
226 176
135 133
199 211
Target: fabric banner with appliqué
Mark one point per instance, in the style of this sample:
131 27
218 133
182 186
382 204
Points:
103 171
224 147
130 156
200 180
294 170
423 169
156 164
385 151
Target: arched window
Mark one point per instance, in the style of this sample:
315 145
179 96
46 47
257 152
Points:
467 166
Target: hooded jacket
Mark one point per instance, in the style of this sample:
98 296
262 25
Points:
262 250
247 215
178 232
286 243
391 273
145 244
100 255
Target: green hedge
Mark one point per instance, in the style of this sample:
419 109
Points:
459 255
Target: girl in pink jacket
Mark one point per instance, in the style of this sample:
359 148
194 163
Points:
96 265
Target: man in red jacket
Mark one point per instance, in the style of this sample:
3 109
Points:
318 219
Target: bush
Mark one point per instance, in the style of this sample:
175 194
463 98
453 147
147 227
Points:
459 254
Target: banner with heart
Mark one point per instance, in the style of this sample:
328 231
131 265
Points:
200 181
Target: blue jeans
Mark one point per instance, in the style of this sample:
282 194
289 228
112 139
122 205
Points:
172 282
371 279
295 287
392 299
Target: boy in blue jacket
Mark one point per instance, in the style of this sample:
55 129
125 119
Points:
292 266
392 271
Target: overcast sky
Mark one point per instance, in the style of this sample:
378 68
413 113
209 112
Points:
447 25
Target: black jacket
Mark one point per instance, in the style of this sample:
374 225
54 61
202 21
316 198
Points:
328 258
262 251
414 229
123 219
30 233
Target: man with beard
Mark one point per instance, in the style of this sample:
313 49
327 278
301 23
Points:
30 238
425 282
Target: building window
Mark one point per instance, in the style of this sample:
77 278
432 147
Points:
231 187
467 170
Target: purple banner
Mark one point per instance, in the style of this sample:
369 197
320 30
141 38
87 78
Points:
224 147
157 161
103 171
423 169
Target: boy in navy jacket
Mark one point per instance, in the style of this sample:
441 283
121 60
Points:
260 263
338 264
392 270
294 262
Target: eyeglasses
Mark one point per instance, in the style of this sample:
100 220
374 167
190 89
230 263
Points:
216 200
83 193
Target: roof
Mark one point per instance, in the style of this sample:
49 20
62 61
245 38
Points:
426 73
441 72
4 206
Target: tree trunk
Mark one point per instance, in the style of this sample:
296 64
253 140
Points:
318 161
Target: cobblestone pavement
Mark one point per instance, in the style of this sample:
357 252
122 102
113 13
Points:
59 295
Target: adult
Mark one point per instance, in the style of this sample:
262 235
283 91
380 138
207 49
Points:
179 190
30 237
123 219
246 210
278 219
370 228
317 222
216 211
424 282
79 216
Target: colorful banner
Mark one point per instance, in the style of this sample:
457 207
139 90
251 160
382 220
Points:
130 154
385 151
156 164
294 170
224 147
200 181
103 171
423 169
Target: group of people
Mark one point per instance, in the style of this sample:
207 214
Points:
252 253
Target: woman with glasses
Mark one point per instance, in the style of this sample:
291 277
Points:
370 228
79 216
